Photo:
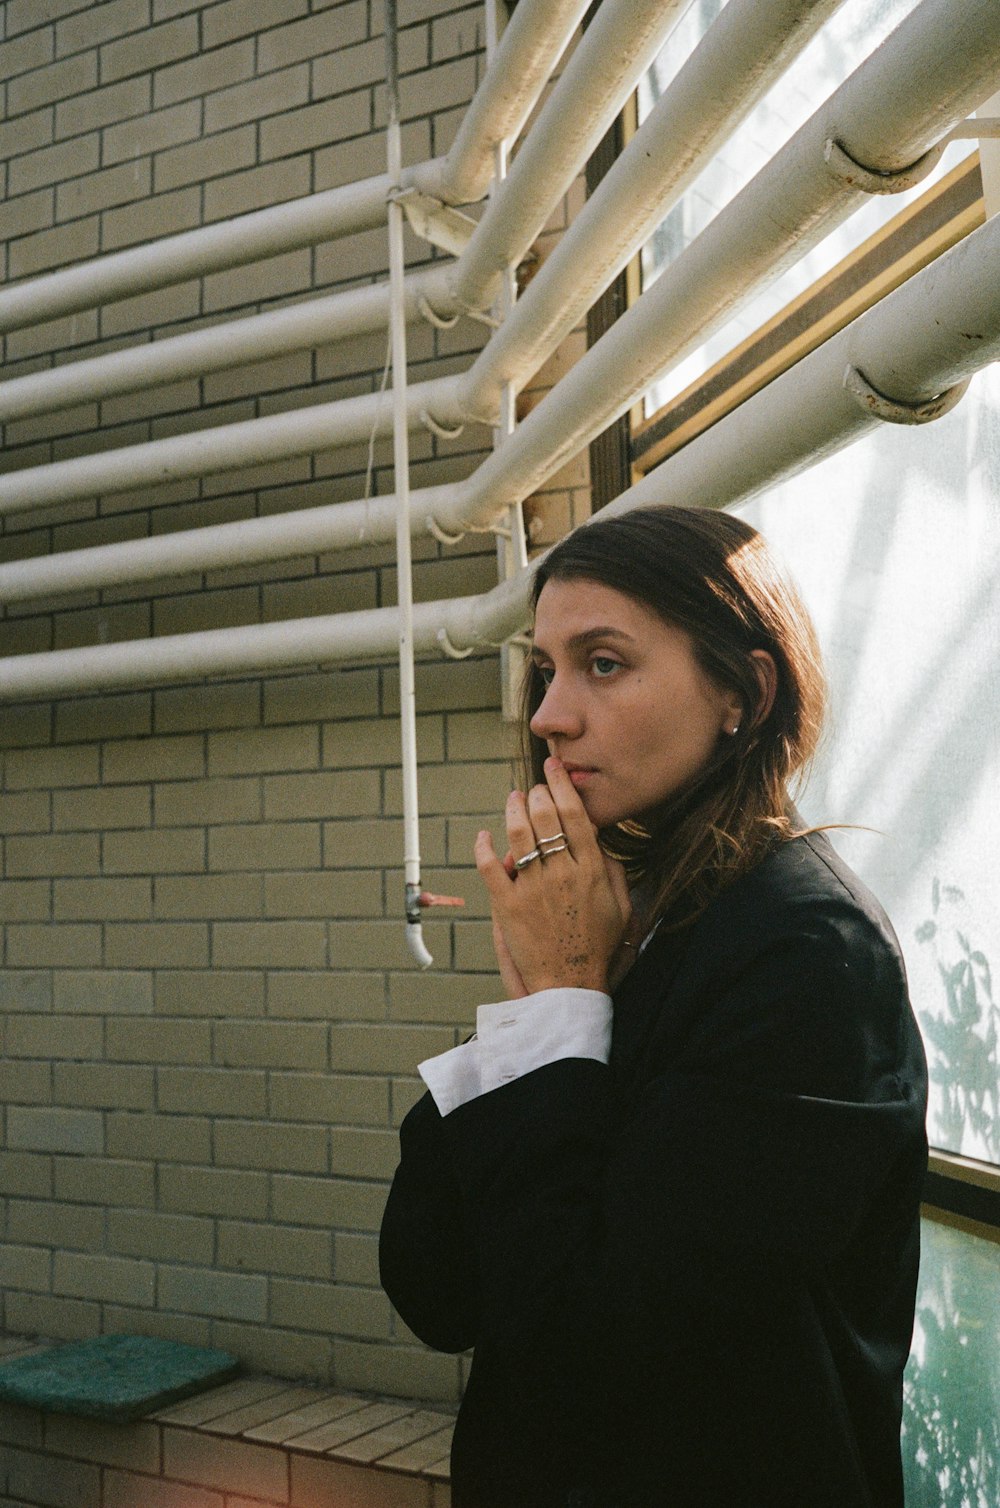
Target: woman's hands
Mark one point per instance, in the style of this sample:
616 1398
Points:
560 919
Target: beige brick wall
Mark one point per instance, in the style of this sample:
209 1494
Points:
210 1022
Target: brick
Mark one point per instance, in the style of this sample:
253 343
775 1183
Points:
99 23
183 803
209 896
191 613
113 806
35 1478
103 992
56 82
85 1276
111 1086
201 74
268 1145
326 996
364 63
354 944
257 188
215 1091
56 944
336 1202
269 845
213 1191
27 52
238 18
386 1049
329 1307
160 1237
365 1153
53 1129
101 107
454 788
231 704
25 990
269 944
24 813
156 851
257 750
310 38
230 1465
314 125
144 1040
135 1444
71 1319
275 1248
345 162
122 1489
348 845
324 594
55 1036
169 758
407 1371
26 1173
367 741
46 1223
104 1181
166 1138
449 997
260 97
153 47
25 1267
306 698
100 900
53 767
270 1044
210 157
26 132
161 307
156 945
90 192
24 900
346 793
342 893
196 992
103 717
25 1083
161 215
222 1295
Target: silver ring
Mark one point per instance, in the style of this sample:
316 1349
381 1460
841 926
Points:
558 849
544 842
528 858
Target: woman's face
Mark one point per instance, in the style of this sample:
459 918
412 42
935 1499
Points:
627 707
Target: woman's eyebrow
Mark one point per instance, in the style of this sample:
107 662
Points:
588 636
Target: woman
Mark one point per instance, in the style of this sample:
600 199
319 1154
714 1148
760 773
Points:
670 1190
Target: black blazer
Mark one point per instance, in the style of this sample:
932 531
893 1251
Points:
688 1275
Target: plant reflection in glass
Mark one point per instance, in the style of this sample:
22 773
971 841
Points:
961 1039
951 1391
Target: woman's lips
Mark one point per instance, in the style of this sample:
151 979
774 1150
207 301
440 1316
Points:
579 774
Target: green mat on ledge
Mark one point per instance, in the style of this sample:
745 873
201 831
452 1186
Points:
116 1377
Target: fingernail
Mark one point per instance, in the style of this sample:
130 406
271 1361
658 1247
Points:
553 763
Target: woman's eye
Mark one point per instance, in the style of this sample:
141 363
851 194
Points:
545 674
603 665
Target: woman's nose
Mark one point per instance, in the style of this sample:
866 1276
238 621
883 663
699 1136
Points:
557 714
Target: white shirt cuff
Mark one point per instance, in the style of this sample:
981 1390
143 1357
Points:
515 1036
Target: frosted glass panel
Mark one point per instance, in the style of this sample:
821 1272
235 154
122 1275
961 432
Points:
951 1397
895 545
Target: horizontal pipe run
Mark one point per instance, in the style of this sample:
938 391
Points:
744 51
618 46
529 48
301 432
934 331
296 327
929 73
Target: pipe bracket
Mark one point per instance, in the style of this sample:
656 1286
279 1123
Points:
430 314
449 648
876 180
442 431
436 531
895 411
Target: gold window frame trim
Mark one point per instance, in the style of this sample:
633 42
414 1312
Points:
936 221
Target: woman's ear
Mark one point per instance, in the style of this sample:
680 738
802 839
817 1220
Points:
767 676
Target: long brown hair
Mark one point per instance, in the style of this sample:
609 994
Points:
711 575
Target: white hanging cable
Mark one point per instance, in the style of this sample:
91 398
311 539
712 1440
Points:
415 897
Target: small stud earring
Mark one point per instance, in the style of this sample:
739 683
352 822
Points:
733 731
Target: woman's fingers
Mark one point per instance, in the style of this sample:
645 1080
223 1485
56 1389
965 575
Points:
493 873
520 832
543 814
572 814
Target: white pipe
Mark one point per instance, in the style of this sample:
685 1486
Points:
401 471
615 50
255 338
741 55
951 55
300 432
531 46
934 331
